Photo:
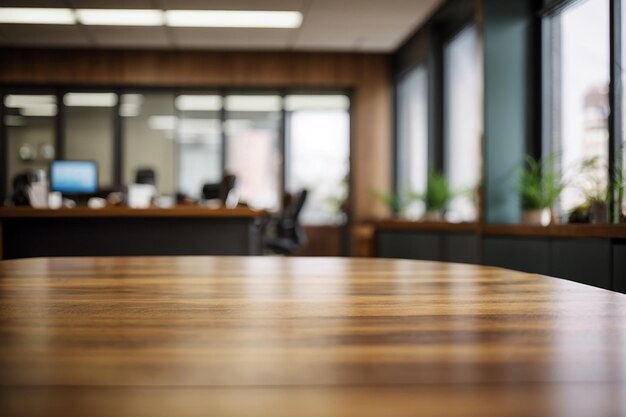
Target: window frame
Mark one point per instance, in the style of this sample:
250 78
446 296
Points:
551 96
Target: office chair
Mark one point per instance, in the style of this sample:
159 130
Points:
287 233
20 197
145 176
211 191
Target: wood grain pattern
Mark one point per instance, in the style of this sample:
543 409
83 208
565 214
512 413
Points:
180 211
196 336
368 76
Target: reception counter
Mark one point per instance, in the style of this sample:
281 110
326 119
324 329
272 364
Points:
117 231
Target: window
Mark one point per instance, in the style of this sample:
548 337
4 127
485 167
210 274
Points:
148 129
462 121
199 142
29 121
318 152
189 139
253 154
89 121
412 119
581 109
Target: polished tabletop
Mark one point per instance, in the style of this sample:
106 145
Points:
272 336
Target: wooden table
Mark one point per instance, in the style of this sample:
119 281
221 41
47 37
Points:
209 336
119 231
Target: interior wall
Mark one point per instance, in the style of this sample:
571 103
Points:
367 75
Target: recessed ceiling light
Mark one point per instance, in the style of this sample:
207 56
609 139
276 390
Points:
39 110
22 100
315 102
198 103
120 17
233 18
90 99
253 103
30 15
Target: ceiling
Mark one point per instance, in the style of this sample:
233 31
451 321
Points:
328 25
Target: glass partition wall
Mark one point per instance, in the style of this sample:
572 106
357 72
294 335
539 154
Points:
29 121
318 154
191 138
199 139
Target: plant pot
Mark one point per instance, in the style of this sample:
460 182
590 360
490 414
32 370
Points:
433 216
599 212
538 217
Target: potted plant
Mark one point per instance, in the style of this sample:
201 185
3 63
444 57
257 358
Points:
395 203
596 190
540 186
436 197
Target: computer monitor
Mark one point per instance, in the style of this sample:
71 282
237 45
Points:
74 177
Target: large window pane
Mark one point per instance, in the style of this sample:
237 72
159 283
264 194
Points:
252 149
29 122
581 125
463 121
89 131
412 106
149 127
200 142
318 153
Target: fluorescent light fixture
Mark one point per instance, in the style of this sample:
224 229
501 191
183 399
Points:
198 103
39 110
136 99
120 17
130 110
162 122
31 15
233 19
130 105
316 102
253 103
90 99
23 100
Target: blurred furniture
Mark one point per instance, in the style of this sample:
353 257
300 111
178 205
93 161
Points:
284 337
145 176
285 234
119 231
19 194
221 190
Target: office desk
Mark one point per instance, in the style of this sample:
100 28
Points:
284 337
117 231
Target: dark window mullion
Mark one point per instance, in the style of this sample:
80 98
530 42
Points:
118 153
615 103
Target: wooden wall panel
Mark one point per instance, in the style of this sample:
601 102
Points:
367 75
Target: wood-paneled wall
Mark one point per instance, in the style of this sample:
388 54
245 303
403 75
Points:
367 75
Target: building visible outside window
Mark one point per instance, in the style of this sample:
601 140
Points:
318 155
463 122
412 113
580 127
